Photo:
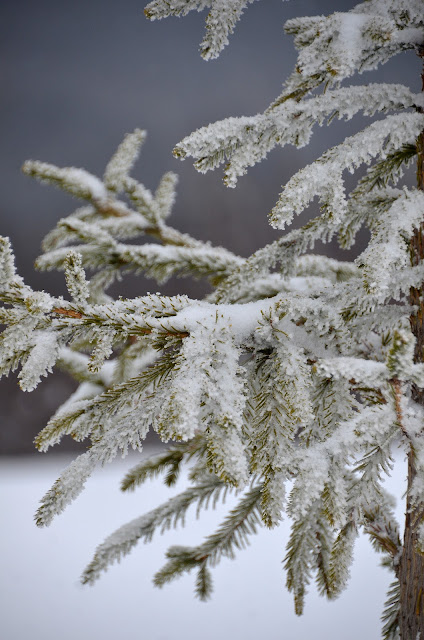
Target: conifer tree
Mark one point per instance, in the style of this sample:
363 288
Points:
298 369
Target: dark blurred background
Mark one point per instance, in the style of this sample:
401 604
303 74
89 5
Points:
76 76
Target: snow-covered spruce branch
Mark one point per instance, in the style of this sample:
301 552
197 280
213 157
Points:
207 339
335 47
153 260
391 613
324 177
107 219
366 36
168 515
296 272
309 549
297 370
232 534
243 142
171 461
220 22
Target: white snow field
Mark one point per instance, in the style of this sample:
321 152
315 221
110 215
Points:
41 598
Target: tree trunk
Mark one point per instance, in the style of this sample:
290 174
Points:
411 573
411 569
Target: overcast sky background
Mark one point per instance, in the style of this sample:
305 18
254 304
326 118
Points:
76 76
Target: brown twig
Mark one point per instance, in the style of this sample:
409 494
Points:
397 392
70 313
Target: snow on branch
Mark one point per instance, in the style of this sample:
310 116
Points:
323 178
77 182
245 141
108 219
220 22
168 515
123 160
334 47
296 370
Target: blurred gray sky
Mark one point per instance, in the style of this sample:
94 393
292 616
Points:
76 76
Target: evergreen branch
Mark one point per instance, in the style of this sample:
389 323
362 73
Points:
156 261
387 170
377 458
311 544
301 373
76 364
232 533
7 265
203 587
341 558
111 316
397 395
111 437
391 613
365 209
323 41
377 140
61 425
164 199
123 160
66 488
82 417
297 562
242 142
383 532
77 182
107 218
168 515
69 313
220 22
169 461
282 253
324 540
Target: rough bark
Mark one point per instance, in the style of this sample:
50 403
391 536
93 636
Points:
411 572
411 568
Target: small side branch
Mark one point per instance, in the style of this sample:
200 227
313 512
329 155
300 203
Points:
397 394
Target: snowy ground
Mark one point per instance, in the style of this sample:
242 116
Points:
41 599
